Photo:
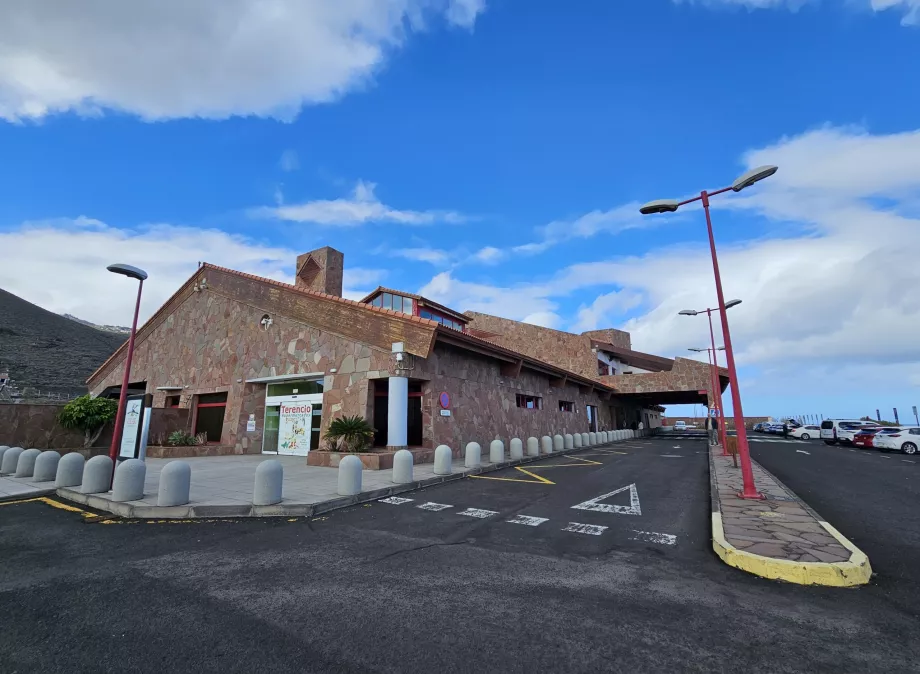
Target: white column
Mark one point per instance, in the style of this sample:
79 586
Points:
398 413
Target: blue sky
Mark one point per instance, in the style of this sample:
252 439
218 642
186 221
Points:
490 154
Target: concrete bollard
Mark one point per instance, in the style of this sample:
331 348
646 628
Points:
25 466
268 484
443 460
592 438
558 443
533 446
175 483
585 440
97 475
3 449
69 470
607 437
631 434
576 440
129 480
473 455
10 459
517 449
546 444
350 470
402 467
46 466
497 451
568 442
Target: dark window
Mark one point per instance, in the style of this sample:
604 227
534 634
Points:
377 301
566 406
914 431
173 401
529 402
210 415
299 387
387 301
424 313
827 425
592 417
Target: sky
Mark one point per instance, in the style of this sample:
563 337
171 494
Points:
491 155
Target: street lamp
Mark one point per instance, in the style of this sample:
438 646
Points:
715 387
670 205
140 275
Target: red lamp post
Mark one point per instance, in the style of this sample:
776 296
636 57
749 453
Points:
140 275
669 205
716 387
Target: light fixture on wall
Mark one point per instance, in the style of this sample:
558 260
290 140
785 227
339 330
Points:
266 322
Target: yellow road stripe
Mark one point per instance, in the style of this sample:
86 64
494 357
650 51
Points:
24 500
584 462
537 479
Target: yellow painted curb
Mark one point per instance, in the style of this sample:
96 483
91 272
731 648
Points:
856 571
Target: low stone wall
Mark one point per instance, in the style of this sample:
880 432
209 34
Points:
376 460
156 452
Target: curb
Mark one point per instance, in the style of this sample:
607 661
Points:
855 571
38 493
192 511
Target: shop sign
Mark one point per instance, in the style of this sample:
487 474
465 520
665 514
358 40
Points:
294 425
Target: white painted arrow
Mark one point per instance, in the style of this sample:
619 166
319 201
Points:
595 505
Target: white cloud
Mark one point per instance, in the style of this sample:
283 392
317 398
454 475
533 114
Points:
207 58
909 8
612 221
605 309
546 319
60 265
488 255
289 161
361 207
430 255
515 302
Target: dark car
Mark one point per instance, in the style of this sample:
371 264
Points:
863 439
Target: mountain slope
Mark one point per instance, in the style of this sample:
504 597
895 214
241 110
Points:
42 350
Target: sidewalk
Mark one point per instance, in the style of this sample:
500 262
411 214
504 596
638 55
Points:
780 537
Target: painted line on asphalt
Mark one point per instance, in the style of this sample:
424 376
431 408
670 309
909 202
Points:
396 500
595 504
480 514
537 479
672 456
434 507
527 520
584 462
578 528
908 461
886 457
802 451
654 537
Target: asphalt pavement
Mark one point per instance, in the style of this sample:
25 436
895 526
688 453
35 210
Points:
388 587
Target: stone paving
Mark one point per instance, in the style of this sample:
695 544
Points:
780 527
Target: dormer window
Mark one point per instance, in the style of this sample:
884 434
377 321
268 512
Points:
394 302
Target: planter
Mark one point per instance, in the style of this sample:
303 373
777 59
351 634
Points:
377 459
156 452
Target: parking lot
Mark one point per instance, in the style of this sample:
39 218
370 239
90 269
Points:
498 581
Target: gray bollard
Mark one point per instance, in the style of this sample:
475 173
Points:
46 466
533 446
25 467
443 460
585 440
517 449
546 445
268 483
3 449
69 470
402 467
558 443
473 455
175 483
350 470
568 442
592 439
129 480
10 459
496 451
97 475
576 440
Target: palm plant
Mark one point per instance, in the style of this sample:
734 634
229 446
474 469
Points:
349 434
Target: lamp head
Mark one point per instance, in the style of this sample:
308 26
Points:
732 303
660 206
697 350
688 312
128 270
753 176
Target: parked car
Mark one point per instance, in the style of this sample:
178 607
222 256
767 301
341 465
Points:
774 428
760 427
680 425
863 438
842 430
805 432
880 434
906 438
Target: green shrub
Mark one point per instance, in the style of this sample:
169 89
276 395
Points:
89 415
349 434
181 439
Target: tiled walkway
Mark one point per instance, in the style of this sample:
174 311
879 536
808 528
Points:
778 527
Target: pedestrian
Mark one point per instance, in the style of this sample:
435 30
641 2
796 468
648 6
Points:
712 425
785 431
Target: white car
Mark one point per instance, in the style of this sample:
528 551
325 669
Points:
842 430
906 439
805 432
680 425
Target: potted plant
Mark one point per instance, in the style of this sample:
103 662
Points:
349 434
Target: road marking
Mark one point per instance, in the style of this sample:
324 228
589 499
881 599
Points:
852 450
476 512
593 529
434 506
672 456
676 447
654 537
584 462
537 479
802 451
886 457
395 500
632 509
908 461
527 520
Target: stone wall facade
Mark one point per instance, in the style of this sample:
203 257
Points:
619 338
686 375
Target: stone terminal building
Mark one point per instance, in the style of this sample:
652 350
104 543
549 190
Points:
264 367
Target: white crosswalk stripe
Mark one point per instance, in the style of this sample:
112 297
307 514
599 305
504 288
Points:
476 512
528 520
578 528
